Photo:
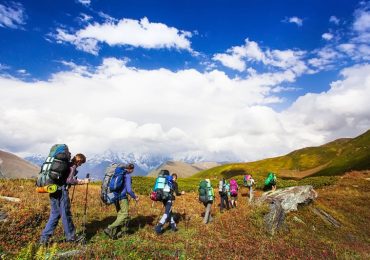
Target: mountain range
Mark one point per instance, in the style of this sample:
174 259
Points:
183 169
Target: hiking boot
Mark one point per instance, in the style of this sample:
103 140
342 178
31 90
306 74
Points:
173 227
158 229
109 232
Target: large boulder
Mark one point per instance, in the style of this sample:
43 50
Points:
283 201
291 197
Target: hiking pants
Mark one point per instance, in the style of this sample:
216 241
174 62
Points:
207 215
122 215
250 194
224 201
167 216
60 207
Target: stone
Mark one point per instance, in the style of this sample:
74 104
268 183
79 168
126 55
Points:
291 197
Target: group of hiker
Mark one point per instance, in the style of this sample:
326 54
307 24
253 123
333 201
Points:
59 173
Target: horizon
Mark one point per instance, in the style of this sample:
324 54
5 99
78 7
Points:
213 80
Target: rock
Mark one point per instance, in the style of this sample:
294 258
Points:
3 216
11 199
283 201
297 219
291 197
68 255
326 217
275 218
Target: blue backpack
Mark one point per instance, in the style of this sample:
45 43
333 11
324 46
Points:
113 183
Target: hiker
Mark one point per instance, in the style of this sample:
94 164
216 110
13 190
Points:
206 196
60 205
270 182
222 190
233 193
120 225
249 182
167 199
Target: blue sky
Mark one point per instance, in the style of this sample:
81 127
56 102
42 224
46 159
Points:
214 64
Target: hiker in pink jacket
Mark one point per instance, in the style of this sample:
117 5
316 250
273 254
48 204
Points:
234 193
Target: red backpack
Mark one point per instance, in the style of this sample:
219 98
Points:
233 187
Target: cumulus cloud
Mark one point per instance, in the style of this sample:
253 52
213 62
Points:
84 2
241 58
294 19
333 19
126 32
12 16
327 36
121 108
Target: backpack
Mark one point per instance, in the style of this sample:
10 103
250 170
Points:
163 187
222 187
112 183
248 180
233 187
56 166
271 179
206 193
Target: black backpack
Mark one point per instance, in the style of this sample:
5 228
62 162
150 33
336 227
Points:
56 166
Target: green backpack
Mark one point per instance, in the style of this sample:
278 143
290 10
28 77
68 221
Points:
206 193
271 179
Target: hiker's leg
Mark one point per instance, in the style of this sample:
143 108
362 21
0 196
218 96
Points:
65 212
167 216
250 194
222 205
227 202
53 218
207 213
122 217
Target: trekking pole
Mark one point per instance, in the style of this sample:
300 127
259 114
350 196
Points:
73 194
85 209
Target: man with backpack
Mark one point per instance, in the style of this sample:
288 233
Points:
121 185
249 182
222 190
270 182
167 198
233 193
206 196
60 205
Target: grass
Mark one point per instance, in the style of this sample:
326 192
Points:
235 234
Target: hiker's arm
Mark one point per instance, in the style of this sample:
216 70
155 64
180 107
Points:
176 189
128 187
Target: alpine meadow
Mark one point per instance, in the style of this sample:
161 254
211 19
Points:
184 129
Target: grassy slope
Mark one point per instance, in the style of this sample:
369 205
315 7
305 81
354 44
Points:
333 158
235 234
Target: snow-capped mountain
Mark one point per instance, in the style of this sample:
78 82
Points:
97 163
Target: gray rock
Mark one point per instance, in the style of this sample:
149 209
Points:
291 197
283 201
3 216
326 217
275 218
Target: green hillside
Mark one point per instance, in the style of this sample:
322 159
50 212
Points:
334 158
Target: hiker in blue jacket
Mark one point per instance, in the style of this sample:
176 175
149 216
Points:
167 203
60 205
120 225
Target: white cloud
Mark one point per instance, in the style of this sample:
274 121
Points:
84 2
294 19
127 32
333 19
12 16
178 113
240 57
327 36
